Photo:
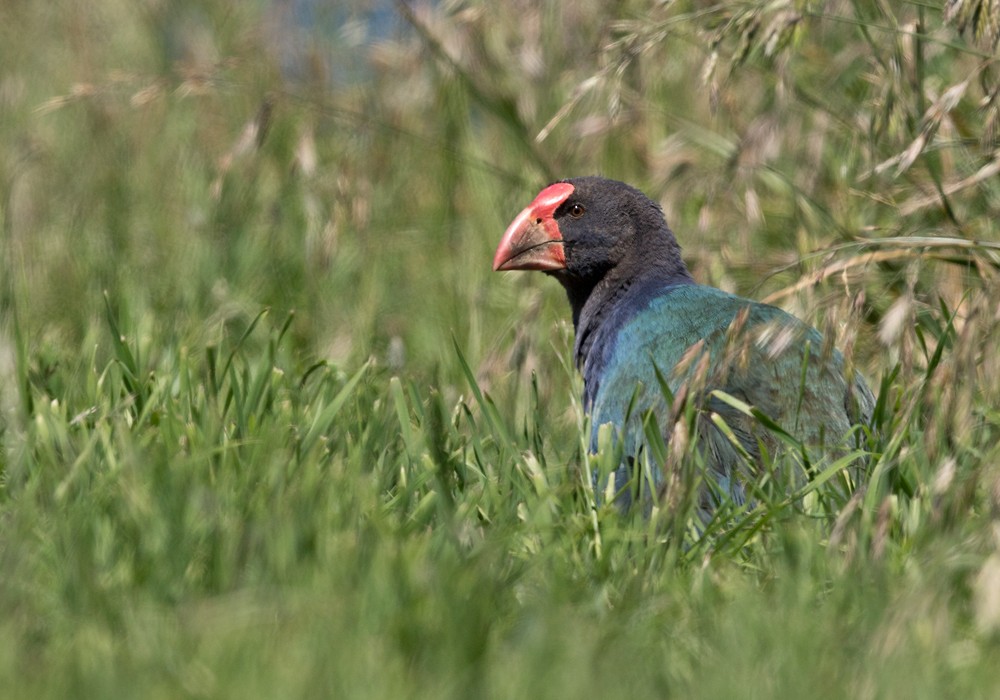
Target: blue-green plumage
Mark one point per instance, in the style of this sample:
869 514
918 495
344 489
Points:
756 353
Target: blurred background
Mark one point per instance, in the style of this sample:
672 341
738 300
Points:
357 162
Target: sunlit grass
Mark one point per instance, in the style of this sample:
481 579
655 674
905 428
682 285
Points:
271 427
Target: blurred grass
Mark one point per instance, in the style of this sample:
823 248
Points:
271 427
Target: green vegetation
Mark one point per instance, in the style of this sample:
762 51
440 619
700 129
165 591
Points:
270 426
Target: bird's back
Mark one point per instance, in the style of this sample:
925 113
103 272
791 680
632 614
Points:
703 339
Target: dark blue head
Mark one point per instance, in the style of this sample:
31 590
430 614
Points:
596 236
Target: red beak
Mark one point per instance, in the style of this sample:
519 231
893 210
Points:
533 240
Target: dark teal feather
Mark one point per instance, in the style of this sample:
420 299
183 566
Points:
757 354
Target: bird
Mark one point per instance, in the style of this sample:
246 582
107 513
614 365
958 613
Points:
648 338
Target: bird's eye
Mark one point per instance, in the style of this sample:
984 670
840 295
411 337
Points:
576 210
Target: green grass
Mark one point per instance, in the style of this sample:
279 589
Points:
270 427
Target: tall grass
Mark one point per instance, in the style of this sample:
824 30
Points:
271 427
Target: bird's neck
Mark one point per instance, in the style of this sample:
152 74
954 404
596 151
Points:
600 312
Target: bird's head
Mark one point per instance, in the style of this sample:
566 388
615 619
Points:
580 230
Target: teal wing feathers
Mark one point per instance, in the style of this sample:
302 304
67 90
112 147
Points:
703 339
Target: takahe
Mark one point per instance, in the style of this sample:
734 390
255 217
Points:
642 322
